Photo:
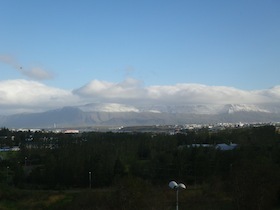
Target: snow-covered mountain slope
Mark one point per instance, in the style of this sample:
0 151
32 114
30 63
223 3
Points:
217 109
124 115
107 107
187 109
233 108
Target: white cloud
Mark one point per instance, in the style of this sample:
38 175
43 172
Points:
36 73
202 94
273 94
31 96
130 91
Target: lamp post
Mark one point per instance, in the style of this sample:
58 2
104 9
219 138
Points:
89 177
177 187
8 174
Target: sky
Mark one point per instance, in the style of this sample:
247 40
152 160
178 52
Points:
66 52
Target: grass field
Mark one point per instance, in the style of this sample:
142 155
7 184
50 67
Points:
103 199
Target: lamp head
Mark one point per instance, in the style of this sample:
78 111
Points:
181 186
173 185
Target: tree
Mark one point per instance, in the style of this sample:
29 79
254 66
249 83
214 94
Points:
255 184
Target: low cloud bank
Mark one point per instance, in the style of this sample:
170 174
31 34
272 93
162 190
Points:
29 96
18 96
131 91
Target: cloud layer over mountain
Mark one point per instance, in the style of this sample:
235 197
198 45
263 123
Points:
131 90
31 96
18 96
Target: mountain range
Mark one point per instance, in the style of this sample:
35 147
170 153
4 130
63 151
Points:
97 114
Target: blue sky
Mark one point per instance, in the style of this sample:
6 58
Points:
72 45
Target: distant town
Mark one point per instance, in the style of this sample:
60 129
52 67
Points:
153 129
168 129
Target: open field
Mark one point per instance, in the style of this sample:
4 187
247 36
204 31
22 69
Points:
103 199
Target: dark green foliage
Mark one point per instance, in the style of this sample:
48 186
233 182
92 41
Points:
130 163
255 184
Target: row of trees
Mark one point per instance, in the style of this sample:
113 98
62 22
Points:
248 174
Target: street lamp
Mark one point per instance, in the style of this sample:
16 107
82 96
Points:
8 174
177 187
89 177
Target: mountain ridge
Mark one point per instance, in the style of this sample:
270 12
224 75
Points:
118 115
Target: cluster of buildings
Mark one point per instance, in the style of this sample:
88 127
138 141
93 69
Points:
222 146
